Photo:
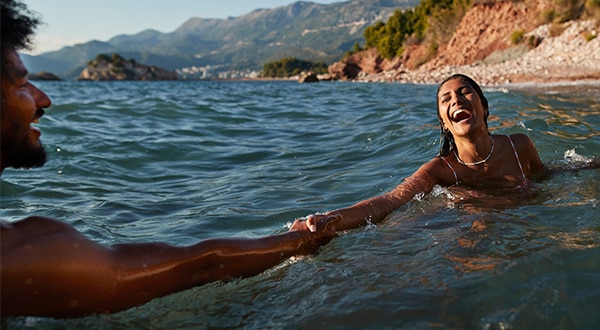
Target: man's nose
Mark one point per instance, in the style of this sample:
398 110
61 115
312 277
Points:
41 99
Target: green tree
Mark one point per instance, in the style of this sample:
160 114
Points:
389 37
289 66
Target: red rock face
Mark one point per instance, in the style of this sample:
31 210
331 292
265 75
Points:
486 28
365 63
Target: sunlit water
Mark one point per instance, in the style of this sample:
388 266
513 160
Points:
184 161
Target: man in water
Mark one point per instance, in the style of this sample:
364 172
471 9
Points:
48 268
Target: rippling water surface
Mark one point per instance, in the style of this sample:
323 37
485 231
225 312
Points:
184 161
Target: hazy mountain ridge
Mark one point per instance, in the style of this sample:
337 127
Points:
304 30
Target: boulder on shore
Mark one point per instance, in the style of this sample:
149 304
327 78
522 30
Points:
308 78
362 63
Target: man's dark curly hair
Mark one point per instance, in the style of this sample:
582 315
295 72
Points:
18 25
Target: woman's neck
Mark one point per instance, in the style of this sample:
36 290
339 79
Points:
474 150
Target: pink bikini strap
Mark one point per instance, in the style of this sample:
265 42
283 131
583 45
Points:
451 168
517 156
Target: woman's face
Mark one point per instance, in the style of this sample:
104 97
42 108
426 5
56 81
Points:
460 108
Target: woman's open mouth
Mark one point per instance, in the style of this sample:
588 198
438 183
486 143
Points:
460 115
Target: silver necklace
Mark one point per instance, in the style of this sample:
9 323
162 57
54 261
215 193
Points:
477 162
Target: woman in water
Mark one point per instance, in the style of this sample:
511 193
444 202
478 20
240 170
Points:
469 157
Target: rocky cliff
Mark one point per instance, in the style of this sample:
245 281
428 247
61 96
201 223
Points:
482 46
117 68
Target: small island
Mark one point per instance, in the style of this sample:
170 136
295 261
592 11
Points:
43 75
115 67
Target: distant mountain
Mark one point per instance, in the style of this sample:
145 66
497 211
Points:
304 30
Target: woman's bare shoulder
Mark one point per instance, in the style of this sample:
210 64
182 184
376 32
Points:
436 171
520 139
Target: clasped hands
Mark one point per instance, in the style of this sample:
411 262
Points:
316 222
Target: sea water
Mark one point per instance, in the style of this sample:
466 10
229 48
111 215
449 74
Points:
180 162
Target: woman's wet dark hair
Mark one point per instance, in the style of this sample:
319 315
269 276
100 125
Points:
446 138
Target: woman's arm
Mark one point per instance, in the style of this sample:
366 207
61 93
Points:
540 171
50 269
376 209
593 164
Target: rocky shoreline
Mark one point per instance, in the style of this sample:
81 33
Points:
481 47
558 60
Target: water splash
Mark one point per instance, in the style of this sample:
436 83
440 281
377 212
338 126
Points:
574 158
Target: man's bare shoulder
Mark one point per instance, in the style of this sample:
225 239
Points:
36 222
30 228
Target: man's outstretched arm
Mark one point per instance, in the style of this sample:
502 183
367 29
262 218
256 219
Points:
50 269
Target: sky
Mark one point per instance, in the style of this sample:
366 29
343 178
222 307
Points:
70 22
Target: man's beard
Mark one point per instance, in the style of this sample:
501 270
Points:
22 154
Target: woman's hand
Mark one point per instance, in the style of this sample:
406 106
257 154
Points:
317 229
316 222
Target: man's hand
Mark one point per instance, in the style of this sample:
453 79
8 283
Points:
318 230
316 222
